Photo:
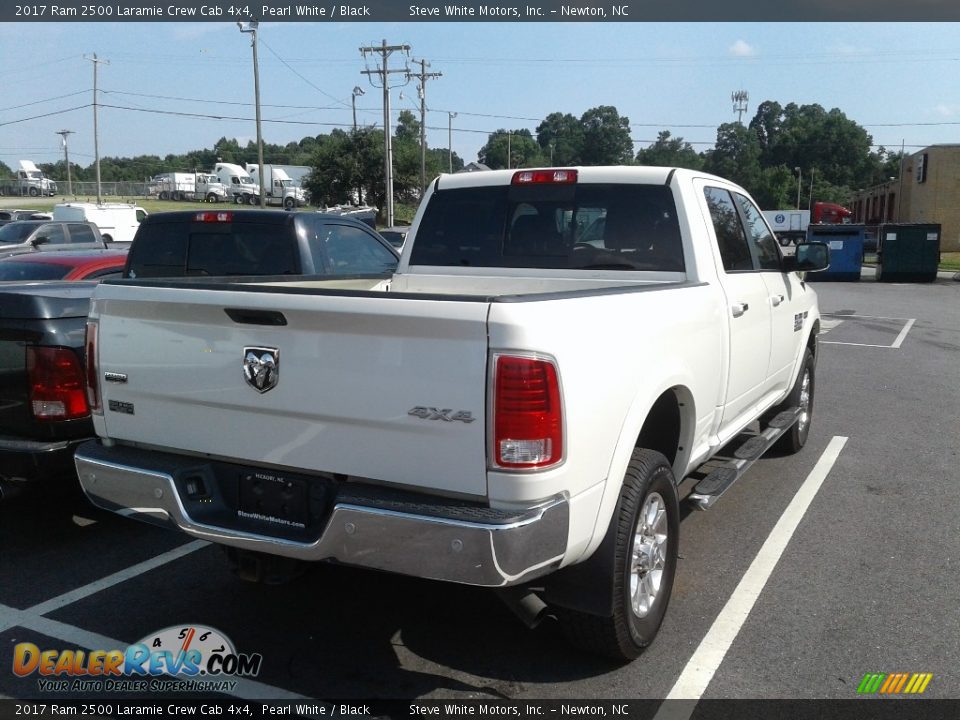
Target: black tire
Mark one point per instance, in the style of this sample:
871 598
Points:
795 438
213 197
289 203
253 200
625 634
163 195
34 192
107 238
238 199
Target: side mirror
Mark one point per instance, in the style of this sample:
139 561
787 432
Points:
810 257
40 240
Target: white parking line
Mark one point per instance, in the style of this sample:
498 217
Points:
117 577
896 343
700 669
903 333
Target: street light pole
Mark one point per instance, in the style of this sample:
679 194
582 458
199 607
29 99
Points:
799 180
66 158
251 27
450 117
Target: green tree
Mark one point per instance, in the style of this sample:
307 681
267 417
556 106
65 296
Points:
606 137
735 156
524 150
560 137
670 152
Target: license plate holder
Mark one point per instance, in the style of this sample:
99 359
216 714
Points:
274 498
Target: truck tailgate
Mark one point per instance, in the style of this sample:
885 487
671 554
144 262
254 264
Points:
349 371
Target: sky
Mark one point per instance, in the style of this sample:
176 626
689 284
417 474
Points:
165 80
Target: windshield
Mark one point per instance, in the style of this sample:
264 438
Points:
32 271
246 181
15 232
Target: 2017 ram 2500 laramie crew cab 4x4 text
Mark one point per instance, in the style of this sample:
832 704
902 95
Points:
513 408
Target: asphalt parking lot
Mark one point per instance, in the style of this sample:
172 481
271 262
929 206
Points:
866 581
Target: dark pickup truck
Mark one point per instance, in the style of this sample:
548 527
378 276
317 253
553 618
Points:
43 404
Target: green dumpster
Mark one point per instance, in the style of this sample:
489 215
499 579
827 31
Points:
908 252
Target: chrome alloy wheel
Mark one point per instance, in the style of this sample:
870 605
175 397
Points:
649 554
804 420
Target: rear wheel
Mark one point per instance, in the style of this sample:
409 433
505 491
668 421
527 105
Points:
163 195
252 199
647 527
107 238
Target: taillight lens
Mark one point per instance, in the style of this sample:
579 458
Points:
214 217
544 177
56 384
93 385
527 413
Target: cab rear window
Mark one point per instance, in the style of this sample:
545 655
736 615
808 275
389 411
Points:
576 227
212 249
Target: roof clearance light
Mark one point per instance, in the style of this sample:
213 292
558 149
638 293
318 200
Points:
544 177
214 217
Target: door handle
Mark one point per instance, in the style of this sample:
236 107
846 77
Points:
776 300
739 309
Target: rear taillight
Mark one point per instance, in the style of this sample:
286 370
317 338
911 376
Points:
214 217
93 385
527 413
544 177
56 384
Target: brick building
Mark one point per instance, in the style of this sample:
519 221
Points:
929 193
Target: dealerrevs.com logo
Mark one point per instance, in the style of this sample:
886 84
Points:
189 658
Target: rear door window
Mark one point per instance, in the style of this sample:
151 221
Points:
762 242
731 238
80 233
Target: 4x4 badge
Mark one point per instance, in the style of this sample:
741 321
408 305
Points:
261 368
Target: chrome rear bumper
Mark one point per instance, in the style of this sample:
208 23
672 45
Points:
486 551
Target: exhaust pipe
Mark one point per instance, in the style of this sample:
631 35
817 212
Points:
525 604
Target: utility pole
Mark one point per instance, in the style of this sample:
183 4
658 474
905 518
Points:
739 100
66 158
900 189
96 134
251 27
799 180
423 76
385 52
450 117
810 204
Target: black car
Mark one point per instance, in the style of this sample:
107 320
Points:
256 243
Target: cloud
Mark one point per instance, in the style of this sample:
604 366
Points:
742 49
946 110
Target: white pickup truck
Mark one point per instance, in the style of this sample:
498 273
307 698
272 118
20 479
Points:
516 407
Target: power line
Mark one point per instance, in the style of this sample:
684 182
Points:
219 102
297 73
40 102
49 114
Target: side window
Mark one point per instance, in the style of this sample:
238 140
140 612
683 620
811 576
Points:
762 241
351 251
54 234
80 233
141 214
734 250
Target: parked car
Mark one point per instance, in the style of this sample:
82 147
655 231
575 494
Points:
24 236
395 235
118 222
256 242
513 408
64 265
9 216
43 408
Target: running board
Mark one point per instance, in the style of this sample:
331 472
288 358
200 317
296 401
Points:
720 472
